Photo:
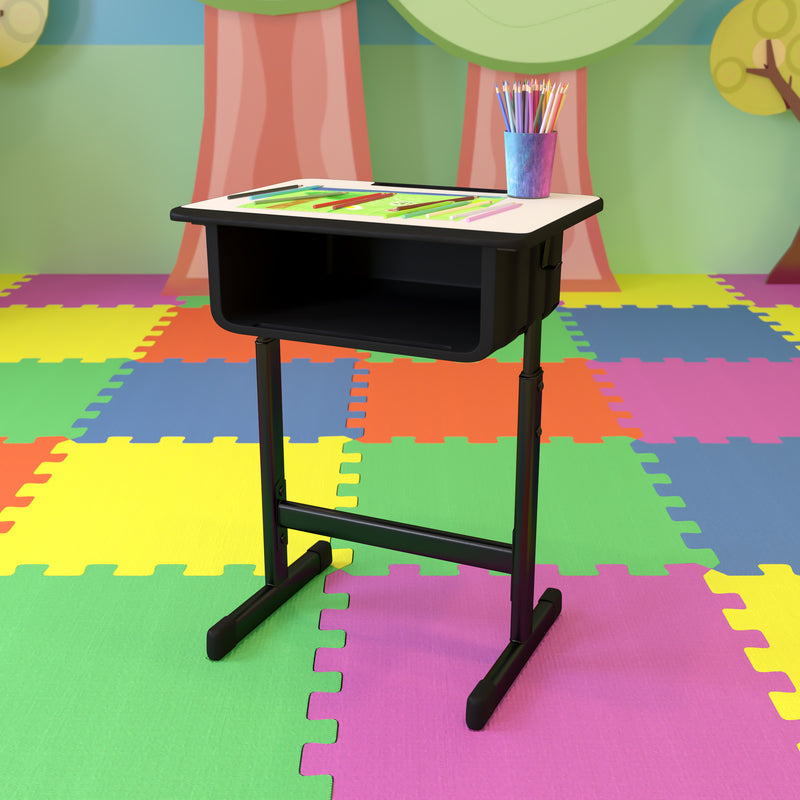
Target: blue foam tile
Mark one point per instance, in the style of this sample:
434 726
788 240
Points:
215 398
691 334
743 497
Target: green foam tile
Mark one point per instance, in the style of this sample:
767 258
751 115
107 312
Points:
108 692
597 504
193 301
45 399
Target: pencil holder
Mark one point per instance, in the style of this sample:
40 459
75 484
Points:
529 163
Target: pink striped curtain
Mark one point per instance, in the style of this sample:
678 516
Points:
482 164
283 100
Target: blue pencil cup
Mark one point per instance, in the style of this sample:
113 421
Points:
529 163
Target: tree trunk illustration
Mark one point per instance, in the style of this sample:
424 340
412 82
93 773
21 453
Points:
787 270
482 165
283 100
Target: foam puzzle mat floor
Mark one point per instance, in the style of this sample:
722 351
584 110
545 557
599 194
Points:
130 522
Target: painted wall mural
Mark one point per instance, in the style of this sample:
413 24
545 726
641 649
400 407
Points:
261 54
755 56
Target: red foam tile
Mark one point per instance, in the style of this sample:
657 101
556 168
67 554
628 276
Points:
433 400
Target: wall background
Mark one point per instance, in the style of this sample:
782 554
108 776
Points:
101 128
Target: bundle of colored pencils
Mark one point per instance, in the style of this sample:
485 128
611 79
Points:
531 106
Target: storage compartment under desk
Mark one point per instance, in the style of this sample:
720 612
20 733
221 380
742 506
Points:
439 299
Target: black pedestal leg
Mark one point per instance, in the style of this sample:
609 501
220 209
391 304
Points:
528 624
281 580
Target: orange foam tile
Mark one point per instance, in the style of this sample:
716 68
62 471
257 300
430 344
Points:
193 336
18 464
431 401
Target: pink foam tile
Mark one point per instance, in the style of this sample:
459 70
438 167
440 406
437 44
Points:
106 291
640 690
711 400
762 294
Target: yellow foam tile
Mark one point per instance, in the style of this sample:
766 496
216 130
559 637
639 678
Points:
785 320
772 606
141 505
649 291
89 333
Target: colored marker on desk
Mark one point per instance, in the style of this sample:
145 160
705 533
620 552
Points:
491 211
444 209
473 207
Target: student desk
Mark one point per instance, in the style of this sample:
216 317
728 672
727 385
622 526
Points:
441 288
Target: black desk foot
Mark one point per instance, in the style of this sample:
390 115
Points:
490 691
230 630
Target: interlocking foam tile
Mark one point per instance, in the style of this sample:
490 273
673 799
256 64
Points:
786 321
692 334
89 333
192 335
45 399
18 463
596 503
10 283
107 291
113 696
640 690
743 497
754 289
649 291
215 398
772 602
139 505
711 401
479 400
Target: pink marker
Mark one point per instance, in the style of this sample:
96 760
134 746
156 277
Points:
495 210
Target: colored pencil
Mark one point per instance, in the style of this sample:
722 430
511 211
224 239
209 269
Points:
430 203
452 203
274 201
491 211
509 106
283 190
357 201
502 108
560 103
263 191
350 201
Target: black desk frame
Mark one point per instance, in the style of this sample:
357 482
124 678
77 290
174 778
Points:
529 622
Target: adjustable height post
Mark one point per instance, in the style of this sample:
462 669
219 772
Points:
528 624
270 436
281 580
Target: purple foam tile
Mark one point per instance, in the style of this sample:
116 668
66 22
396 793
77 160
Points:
641 689
711 401
105 291
762 294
